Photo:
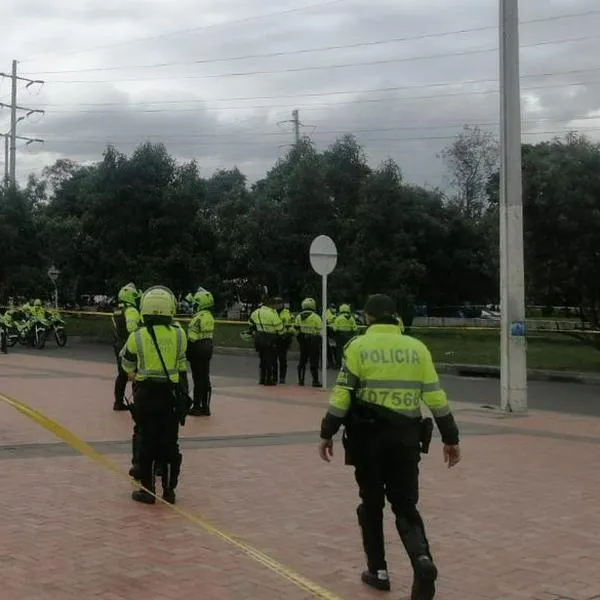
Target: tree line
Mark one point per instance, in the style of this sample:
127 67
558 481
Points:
149 219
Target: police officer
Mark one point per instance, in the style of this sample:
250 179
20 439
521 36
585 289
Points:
155 356
200 350
344 329
284 341
126 319
309 327
385 377
267 327
331 314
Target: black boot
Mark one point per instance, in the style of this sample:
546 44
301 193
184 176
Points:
147 481
282 374
412 534
301 375
170 479
378 580
135 452
423 587
206 404
119 405
371 528
315 377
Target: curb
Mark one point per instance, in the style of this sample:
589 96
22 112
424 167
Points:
483 371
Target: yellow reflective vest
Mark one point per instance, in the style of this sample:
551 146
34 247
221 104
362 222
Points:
266 320
389 370
139 355
202 326
308 322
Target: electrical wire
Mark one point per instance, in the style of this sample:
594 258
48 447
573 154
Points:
278 13
318 49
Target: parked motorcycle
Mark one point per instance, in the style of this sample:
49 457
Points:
57 326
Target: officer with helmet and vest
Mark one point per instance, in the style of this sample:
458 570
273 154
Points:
126 319
309 326
344 329
267 328
384 379
155 357
200 350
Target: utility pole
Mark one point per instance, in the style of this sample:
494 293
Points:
296 121
14 109
7 153
513 345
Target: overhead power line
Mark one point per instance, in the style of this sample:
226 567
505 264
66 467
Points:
249 19
325 67
315 49
297 95
316 105
339 132
254 142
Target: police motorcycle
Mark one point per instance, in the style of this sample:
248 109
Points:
57 327
15 324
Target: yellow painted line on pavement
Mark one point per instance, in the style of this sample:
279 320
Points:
254 553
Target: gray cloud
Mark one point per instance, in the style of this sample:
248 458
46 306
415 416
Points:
194 108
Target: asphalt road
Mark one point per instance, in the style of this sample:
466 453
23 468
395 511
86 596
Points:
572 398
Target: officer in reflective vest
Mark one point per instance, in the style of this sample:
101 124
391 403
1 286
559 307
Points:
344 329
200 350
125 319
155 357
284 342
309 327
378 395
267 327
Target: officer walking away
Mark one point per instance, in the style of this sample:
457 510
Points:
344 329
309 327
267 327
200 350
284 341
377 397
125 319
155 356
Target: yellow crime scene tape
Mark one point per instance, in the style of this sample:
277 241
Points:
254 553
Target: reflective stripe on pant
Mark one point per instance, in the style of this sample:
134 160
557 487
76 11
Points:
384 467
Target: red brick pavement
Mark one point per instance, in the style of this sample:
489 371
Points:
517 519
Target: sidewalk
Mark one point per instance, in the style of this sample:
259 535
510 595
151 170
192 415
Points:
518 519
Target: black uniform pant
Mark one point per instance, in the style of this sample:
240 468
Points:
310 354
387 468
121 379
341 339
331 351
281 365
266 346
158 428
200 354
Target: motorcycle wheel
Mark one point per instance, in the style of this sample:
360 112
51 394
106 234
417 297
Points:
39 338
61 336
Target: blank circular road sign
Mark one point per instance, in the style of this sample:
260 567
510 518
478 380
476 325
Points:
323 255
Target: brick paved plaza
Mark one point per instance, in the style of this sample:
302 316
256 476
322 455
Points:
518 519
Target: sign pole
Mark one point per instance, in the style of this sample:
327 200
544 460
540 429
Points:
53 274
323 259
324 341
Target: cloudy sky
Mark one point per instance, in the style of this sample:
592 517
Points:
217 80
